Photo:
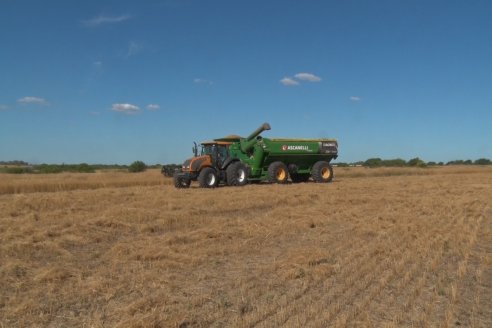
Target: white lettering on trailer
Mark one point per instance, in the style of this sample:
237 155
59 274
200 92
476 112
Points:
295 147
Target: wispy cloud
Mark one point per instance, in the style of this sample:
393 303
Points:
101 20
354 98
288 81
133 48
153 106
298 78
32 100
125 108
97 69
3 107
202 81
307 77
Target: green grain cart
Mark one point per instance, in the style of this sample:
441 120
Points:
235 161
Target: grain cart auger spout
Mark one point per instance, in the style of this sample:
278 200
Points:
235 161
248 143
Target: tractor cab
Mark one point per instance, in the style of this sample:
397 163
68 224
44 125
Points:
218 151
207 154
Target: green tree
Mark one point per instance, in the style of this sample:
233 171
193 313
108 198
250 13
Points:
394 162
483 161
84 168
416 162
373 162
137 166
49 168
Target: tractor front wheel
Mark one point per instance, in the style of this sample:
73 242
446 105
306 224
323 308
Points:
208 178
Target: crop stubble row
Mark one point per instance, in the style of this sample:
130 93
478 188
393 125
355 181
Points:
404 250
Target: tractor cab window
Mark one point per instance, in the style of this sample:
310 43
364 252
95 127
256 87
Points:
208 149
218 152
223 151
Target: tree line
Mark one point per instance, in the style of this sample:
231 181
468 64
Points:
414 162
19 167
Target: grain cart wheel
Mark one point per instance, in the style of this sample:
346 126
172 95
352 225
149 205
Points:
322 172
237 174
208 178
181 181
296 177
277 172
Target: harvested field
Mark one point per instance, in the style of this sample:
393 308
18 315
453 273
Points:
381 247
27 183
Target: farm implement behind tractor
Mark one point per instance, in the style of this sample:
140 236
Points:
235 161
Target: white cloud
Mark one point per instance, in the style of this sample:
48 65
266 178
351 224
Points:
3 107
32 100
289 81
133 48
101 19
307 77
354 98
125 108
153 107
202 81
97 63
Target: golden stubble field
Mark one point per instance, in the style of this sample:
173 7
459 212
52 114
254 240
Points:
377 247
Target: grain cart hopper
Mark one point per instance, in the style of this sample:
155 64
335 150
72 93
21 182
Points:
236 161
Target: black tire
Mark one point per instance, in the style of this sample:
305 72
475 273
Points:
297 177
181 182
208 178
237 174
322 172
278 173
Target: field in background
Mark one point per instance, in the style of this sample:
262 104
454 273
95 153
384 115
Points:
381 247
27 183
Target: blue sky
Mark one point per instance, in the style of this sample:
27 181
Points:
119 81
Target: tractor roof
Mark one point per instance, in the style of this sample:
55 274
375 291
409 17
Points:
216 142
230 138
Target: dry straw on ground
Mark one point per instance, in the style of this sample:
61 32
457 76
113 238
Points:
374 248
27 183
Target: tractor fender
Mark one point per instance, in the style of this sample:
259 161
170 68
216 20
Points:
228 162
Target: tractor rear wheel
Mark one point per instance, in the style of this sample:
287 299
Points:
237 174
297 177
181 181
278 172
208 178
322 172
